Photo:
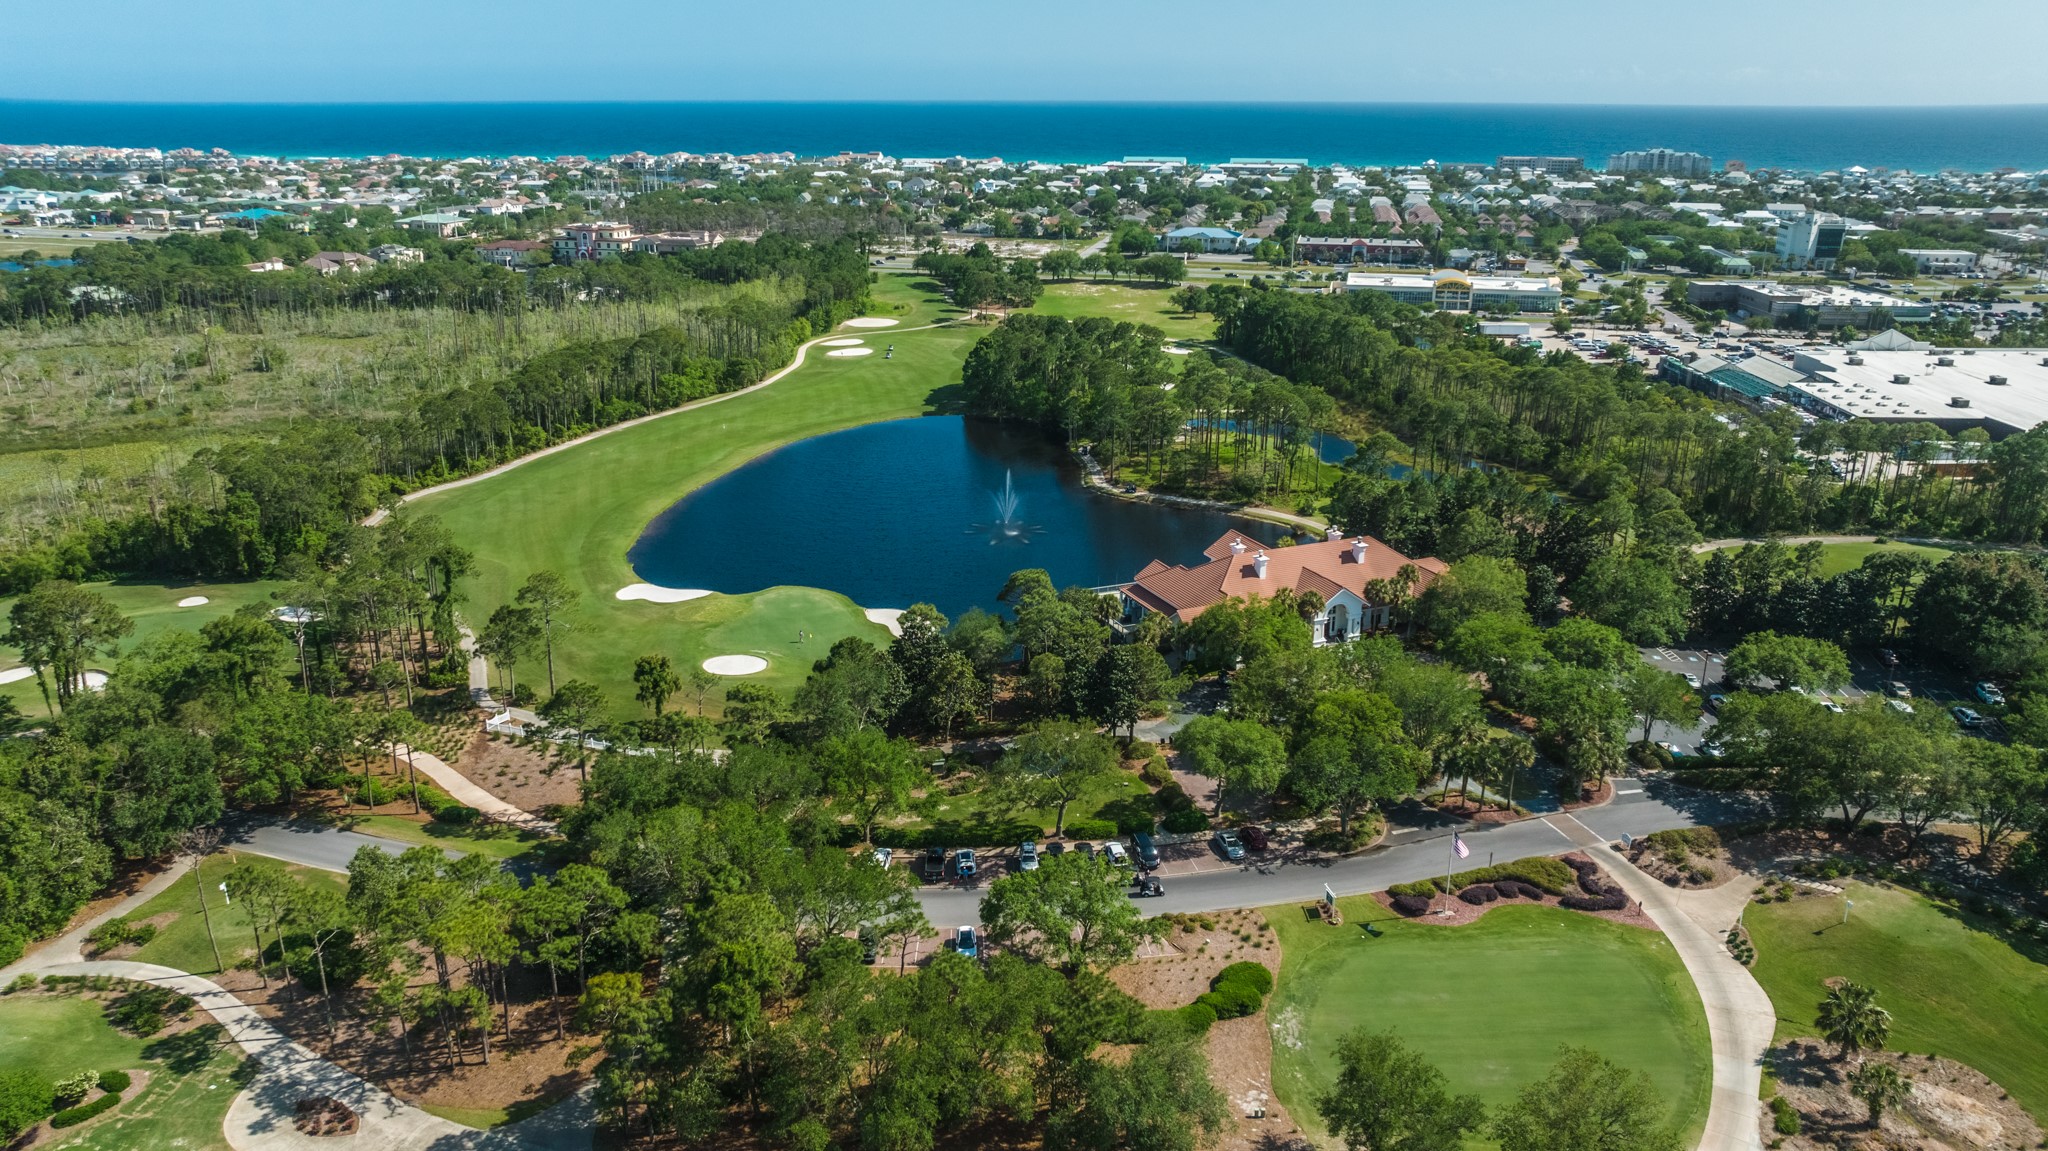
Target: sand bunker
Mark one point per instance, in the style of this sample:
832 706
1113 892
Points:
93 680
842 342
16 674
887 617
871 322
1179 351
851 352
194 601
654 593
735 664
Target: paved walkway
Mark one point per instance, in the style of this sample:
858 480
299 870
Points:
260 1119
1740 1019
70 946
459 786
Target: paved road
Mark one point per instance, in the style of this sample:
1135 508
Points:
1417 847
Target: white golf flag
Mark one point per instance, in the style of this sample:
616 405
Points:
225 898
1458 845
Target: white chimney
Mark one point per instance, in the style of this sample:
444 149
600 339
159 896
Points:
1259 565
1358 551
1237 547
1333 533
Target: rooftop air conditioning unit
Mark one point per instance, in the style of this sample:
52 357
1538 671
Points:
1997 381
1959 402
1855 360
1902 378
1945 361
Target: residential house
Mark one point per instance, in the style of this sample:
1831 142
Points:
335 263
509 253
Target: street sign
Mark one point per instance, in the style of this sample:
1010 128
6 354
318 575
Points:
1329 897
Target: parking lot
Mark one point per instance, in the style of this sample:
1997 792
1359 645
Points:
1706 667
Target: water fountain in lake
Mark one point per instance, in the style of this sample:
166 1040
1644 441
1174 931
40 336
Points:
1007 528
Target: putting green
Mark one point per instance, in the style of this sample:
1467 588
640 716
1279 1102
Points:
1952 986
578 511
1489 1003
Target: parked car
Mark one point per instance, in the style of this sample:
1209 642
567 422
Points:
1987 692
1145 886
1968 717
1888 657
1229 844
1900 706
1898 690
1831 705
1115 853
1086 849
1712 749
870 944
1691 680
1055 848
1671 749
1715 701
966 943
1027 856
884 856
934 862
1146 851
1254 837
963 863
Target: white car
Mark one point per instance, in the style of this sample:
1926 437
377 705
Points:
1900 706
1115 853
883 855
1691 680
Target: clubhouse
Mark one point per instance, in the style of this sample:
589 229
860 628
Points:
1450 291
1340 571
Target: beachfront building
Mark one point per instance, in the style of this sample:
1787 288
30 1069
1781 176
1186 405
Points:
1348 578
1453 291
1358 250
1547 165
1661 162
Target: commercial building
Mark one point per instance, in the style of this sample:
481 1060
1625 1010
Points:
1548 165
2001 390
1341 571
508 253
1451 291
1208 239
667 243
1661 162
1812 240
446 225
1941 261
1356 250
1798 306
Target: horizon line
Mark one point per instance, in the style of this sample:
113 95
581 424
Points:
999 102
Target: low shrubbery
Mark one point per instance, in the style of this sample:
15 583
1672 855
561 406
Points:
72 1088
143 1011
1090 829
1255 975
115 1081
1155 772
1410 904
1597 893
73 1116
1238 990
117 932
1479 894
1784 1116
1186 821
1540 871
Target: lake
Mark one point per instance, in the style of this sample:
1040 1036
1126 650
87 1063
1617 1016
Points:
905 511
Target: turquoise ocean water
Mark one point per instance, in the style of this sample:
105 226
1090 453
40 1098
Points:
1916 138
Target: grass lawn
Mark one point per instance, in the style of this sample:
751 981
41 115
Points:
577 512
1952 987
1489 1003
1838 558
154 608
496 841
978 817
181 942
1152 306
485 1118
193 1075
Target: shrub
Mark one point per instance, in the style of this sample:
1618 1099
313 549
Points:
1540 871
455 813
72 1117
115 1081
1186 821
72 1088
1155 772
1479 894
1784 1116
1252 974
1141 749
1090 829
142 1011
1231 1000
21 983
1613 901
1197 1016
1172 796
1411 904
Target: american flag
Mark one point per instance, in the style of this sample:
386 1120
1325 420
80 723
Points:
1458 845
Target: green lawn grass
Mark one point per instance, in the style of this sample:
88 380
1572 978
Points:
577 512
485 1118
978 816
496 841
182 942
194 1075
1838 558
1148 305
1489 1003
1952 987
154 609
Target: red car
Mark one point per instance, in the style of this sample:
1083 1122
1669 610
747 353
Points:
1254 837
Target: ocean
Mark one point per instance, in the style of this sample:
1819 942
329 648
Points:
1921 139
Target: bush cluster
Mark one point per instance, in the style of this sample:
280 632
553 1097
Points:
1479 894
73 1116
143 1011
1155 773
1238 990
1185 821
1692 840
1141 749
1255 975
1090 829
72 1088
117 931
1784 1116
115 1081
1599 895
1614 901
1540 871
1408 904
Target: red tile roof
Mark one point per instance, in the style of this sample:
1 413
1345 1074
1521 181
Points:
1323 568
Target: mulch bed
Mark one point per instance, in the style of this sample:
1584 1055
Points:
324 1115
1951 1105
1461 912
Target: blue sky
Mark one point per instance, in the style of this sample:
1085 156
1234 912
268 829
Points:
1803 52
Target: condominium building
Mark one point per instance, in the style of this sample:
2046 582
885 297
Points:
593 241
1661 162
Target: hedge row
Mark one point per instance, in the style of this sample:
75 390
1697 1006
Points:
1600 895
1411 904
73 1116
1538 870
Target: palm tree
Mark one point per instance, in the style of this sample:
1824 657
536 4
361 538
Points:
1851 1019
1881 1088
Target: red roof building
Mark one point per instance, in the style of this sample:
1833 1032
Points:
1338 570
